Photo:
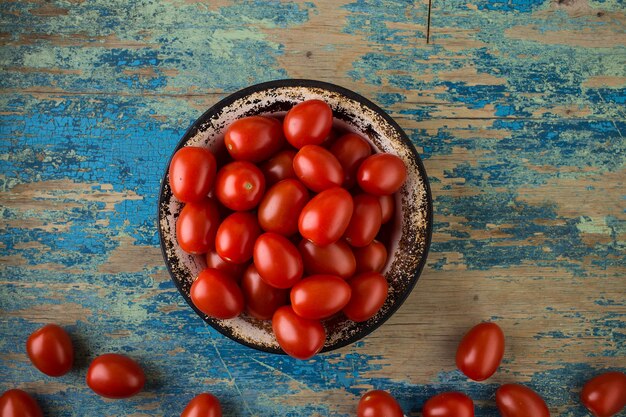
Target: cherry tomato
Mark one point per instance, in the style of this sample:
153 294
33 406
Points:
262 300
298 337
370 258
350 150
317 168
115 376
365 222
254 138
334 259
50 350
191 173
381 174
239 185
326 216
281 206
235 237
279 167
196 227
369 292
308 123
605 395
216 294
277 260
319 296
379 403
387 206
449 404
17 403
235 271
203 405
514 400
480 351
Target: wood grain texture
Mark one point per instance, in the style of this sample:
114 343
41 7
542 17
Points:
516 106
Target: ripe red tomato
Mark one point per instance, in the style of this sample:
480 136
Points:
281 206
317 168
326 216
449 404
191 173
196 226
254 138
279 167
203 405
365 222
50 350
381 174
334 259
605 395
235 271
262 300
370 258
379 403
298 337
514 400
387 206
115 376
277 260
369 292
240 185
308 123
319 296
216 294
235 237
480 351
17 403
351 150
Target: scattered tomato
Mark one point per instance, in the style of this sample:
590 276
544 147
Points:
203 405
17 403
381 174
449 404
236 235
298 337
317 168
50 350
115 376
217 295
277 260
281 207
254 138
514 400
350 150
365 221
605 395
326 216
370 258
196 227
369 292
379 403
334 259
480 352
240 185
308 123
262 300
319 296
191 173
279 167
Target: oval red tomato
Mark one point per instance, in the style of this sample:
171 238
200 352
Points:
277 260
370 258
381 174
480 352
191 173
605 395
308 123
235 237
254 138
365 221
262 300
50 350
326 216
317 168
235 271
319 296
17 403
514 400
217 295
279 167
379 403
240 185
203 405
449 404
369 292
115 376
350 150
334 259
298 337
387 206
281 207
196 227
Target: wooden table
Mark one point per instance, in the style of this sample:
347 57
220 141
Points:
516 106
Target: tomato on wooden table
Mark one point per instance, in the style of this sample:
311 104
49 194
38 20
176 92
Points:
281 207
480 351
449 404
381 174
369 292
387 207
298 337
240 185
277 260
319 296
605 395
334 259
254 138
235 271
115 376
279 167
317 168
365 221
308 123
370 258
515 400
196 226
236 235
379 403
350 150
326 216
17 403
216 294
203 405
191 173
262 300
50 349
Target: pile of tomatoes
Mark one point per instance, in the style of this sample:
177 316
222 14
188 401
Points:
288 223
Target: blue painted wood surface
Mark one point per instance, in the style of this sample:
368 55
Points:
517 107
